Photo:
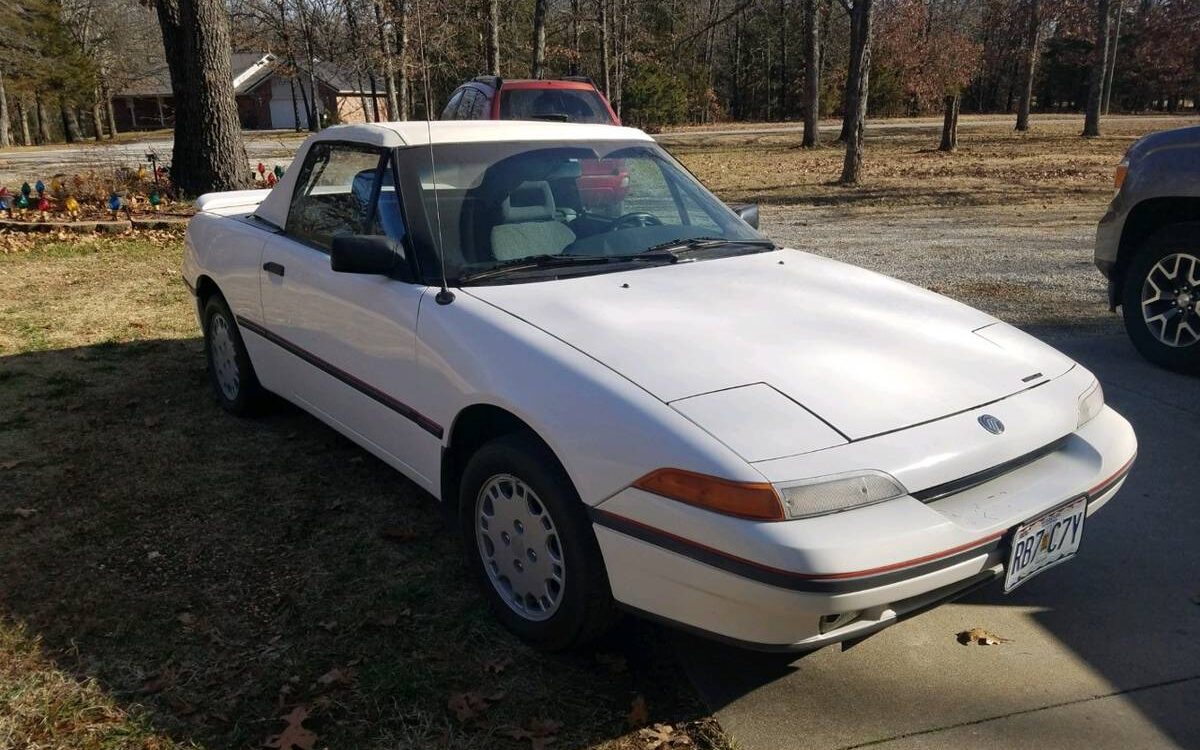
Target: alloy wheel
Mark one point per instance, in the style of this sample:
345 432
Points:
1171 300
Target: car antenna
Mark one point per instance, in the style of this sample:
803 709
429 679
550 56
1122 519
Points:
444 295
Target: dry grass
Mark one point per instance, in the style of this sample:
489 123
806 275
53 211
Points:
994 165
191 577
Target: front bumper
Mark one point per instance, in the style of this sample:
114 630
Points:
773 585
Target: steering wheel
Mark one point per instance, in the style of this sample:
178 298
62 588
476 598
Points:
636 219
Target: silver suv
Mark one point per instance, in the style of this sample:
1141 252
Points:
1148 246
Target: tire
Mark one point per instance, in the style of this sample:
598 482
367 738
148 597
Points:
230 372
510 488
1160 298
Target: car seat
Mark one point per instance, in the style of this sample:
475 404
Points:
529 224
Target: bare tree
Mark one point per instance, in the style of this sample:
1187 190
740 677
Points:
538 69
1112 57
812 74
1029 58
861 12
494 37
5 125
402 81
1091 121
208 154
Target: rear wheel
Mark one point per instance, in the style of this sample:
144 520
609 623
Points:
229 369
1161 298
530 543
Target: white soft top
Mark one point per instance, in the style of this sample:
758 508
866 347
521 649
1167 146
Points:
274 207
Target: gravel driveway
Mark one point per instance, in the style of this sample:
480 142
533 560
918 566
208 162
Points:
1029 265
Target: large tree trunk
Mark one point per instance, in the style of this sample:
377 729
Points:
44 135
70 121
5 125
812 75
494 37
950 123
98 117
1091 120
1111 69
856 89
783 60
576 50
208 154
402 58
110 115
538 69
1033 32
852 74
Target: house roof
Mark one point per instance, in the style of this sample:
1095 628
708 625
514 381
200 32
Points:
249 70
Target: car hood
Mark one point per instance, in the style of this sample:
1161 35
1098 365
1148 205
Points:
865 353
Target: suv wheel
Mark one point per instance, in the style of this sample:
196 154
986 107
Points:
1161 298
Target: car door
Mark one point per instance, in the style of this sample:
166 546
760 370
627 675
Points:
350 339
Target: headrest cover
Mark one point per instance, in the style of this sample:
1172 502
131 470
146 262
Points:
532 201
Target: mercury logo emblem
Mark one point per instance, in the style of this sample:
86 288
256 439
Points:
991 424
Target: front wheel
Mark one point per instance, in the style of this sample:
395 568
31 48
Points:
229 370
530 543
1161 298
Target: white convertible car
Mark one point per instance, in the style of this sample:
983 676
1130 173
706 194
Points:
632 399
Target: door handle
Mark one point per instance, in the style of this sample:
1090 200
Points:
273 267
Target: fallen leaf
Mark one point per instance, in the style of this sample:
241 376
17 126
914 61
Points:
638 715
151 421
496 666
469 705
25 512
328 625
336 676
186 618
400 533
164 680
980 637
8 465
541 733
663 736
294 736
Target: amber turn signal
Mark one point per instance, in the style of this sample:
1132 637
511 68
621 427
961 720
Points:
1119 176
755 500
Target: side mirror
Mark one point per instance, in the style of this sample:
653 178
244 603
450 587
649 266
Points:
748 212
368 254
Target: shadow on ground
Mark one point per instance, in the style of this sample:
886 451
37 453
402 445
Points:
215 571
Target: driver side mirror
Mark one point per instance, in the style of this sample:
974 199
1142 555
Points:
747 212
369 254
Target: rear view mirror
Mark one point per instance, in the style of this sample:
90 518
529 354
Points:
368 254
748 212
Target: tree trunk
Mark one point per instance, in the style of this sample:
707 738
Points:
783 60
605 62
493 43
98 117
43 120
950 123
1033 34
70 122
621 54
1091 120
389 73
1112 57
856 89
402 57
23 116
852 74
110 115
5 125
812 75
296 107
208 154
538 70
576 50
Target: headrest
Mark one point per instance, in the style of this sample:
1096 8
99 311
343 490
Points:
531 201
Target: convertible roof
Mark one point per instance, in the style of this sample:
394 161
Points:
274 207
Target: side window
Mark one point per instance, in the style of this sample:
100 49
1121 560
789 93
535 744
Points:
464 107
333 193
479 107
452 105
648 192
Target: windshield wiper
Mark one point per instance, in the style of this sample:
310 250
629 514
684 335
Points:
536 262
682 245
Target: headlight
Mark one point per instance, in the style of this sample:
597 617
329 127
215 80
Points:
831 494
1090 404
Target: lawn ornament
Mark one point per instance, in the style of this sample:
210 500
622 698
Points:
25 189
56 186
6 201
278 172
72 207
261 169
142 174
271 179
155 199
43 207
41 188
114 204
22 204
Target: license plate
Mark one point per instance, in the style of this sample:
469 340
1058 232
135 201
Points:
1045 541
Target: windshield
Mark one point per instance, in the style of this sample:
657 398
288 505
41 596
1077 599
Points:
501 204
566 105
